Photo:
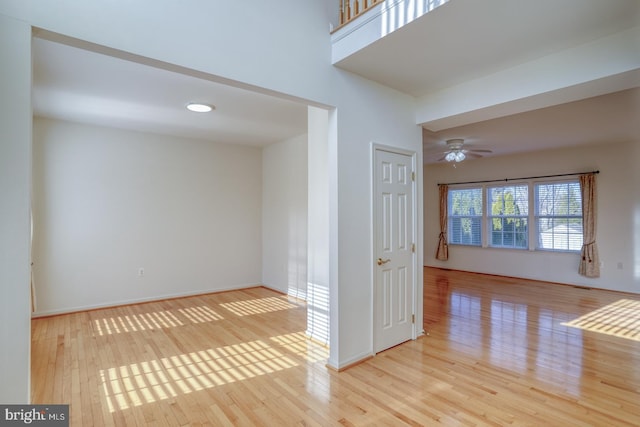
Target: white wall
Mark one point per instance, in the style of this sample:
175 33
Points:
251 43
248 42
284 216
318 233
618 231
15 200
390 122
108 202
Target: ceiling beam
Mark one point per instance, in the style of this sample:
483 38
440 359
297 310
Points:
608 64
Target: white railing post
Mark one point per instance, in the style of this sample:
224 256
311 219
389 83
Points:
350 9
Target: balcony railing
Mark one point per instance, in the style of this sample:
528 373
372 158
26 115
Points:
351 9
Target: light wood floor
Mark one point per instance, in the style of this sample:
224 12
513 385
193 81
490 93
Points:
498 352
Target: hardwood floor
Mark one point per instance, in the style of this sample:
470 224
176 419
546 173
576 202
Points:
498 352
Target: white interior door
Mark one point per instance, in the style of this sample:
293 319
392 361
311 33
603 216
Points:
394 264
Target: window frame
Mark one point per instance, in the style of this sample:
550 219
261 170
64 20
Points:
537 217
533 234
450 217
490 217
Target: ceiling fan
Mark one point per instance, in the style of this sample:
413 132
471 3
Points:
457 153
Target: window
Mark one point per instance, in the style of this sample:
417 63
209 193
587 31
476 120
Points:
508 215
558 214
501 213
465 216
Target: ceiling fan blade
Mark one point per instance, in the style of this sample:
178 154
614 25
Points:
478 151
456 146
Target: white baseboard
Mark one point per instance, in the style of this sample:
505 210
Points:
351 361
112 304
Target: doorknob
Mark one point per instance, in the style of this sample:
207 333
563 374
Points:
383 261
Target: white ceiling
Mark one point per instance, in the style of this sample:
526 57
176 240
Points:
603 119
80 85
458 41
464 40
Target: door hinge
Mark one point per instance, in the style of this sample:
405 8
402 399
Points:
413 318
413 247
413 176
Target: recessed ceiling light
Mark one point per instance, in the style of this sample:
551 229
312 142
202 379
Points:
199 108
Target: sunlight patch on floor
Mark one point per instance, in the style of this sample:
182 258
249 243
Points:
136 322
147 382
258 306
620 319
200 314
301 345
153 320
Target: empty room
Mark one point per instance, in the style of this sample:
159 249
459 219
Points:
336 213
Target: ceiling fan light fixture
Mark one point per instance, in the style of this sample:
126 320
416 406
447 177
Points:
197 107
457 152
455 156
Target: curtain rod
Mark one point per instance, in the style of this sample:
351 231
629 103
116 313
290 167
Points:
517 179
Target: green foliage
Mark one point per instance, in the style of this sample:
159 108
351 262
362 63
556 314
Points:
507 228
466 202
505 205
465 207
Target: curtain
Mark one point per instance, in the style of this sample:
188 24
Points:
442 253
589 261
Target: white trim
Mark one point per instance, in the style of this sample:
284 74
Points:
143 300
353 360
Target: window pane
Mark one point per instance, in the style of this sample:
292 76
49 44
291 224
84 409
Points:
507 212
558 213
509 232
511 200
465 202
465 216
562 199
563 234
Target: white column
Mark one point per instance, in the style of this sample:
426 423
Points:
318 227
15 205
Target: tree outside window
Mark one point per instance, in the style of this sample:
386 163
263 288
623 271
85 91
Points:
559 216
465 216
508 216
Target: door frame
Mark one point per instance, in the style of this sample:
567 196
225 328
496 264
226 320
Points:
374 239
